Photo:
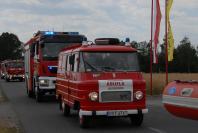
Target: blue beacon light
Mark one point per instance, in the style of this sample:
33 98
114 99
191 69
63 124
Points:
49 33
50 67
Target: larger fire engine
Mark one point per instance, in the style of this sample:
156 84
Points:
41 57
101 79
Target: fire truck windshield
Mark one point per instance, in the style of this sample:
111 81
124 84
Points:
110 61
15 65
50 51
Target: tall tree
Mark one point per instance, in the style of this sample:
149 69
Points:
186 59
10 46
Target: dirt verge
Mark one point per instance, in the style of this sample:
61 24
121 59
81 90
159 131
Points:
8 120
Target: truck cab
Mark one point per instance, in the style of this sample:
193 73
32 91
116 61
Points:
101 79
41 59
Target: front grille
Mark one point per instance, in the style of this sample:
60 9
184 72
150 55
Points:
116 96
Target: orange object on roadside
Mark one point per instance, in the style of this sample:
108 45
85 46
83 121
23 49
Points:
180 98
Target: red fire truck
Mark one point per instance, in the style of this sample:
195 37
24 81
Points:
41 57
12 70
101 79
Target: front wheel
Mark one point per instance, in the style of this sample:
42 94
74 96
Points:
29 93
21 80
136 119
65 108
7 80
84 121
38 96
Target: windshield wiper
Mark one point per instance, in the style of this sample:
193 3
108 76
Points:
108 68
91 66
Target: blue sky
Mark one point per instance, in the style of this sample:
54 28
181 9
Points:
96 18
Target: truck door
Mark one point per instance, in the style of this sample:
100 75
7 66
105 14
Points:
73 65
67 76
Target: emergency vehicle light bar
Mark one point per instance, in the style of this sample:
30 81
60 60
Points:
71 33
56 33
107 41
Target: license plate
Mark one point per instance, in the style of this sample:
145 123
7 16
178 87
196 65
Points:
117 113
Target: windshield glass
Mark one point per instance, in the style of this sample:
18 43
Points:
111 61
15 64
50 51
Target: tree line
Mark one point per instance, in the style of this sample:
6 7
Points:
185 54
10 47
185 58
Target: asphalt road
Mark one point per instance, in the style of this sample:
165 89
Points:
46 118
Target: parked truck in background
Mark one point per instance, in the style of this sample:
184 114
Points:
12 70
41 58
101 79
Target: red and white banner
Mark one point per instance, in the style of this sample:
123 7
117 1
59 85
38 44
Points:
156 28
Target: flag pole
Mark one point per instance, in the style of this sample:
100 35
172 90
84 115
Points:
166 40
151 51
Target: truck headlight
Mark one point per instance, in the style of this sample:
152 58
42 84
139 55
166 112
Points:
44 82
93 96
139 95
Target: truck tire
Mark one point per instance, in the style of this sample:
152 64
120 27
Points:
7 80
84 121
136 119
65 108
38 96
21 80
29 93
60 103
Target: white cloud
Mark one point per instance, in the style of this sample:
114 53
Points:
96 18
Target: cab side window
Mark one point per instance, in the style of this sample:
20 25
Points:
63 63
66 60
72 62
68 63
60 63
81 64
76 62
